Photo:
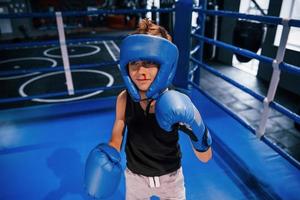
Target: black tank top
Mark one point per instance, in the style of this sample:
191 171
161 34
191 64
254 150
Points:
150 150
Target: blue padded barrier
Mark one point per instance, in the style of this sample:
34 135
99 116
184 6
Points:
242 167
255 163
46 112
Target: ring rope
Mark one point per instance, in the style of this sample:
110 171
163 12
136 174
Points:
229 80
289 68
57 68
276 148
28 44
259 97
285 111
266 19
56 94
56 42
235 49
85 13
276 62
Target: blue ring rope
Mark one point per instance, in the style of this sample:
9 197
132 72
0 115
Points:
117 11
58 68
285 111
56 42
28 44
235 49
265 19
56 94
259 97
28 15
294 22
279 150
236 84
95 39
84 13
227 110
289 68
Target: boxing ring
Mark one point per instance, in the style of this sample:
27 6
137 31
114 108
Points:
43 148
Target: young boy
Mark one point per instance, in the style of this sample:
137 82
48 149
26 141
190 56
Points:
153 114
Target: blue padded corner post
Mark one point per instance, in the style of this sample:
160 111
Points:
200 31
182 31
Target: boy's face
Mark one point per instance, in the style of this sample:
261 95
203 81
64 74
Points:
142 73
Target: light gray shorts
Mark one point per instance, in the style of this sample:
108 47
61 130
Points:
169 186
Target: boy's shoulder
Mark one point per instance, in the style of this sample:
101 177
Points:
122 96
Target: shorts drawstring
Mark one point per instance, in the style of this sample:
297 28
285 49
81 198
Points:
154 182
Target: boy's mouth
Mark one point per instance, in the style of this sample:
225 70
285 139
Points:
143 79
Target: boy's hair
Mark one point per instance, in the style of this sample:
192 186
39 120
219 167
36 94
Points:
146 26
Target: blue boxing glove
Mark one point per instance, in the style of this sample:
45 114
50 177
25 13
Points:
175 110
102 171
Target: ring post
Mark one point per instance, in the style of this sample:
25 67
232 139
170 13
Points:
200 31
182 31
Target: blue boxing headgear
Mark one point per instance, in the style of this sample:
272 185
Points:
149 48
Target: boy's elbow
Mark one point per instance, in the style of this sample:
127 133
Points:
204 156
205 159
115 145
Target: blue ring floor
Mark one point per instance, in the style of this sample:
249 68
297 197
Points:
43 151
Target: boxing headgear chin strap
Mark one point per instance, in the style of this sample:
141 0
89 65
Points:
149 48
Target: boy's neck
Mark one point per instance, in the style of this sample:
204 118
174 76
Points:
143 95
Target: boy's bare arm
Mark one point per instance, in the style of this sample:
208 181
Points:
119 124
105 161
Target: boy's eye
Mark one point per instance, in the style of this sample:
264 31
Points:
133 63
149 64
143 63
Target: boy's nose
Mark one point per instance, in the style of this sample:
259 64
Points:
142 69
